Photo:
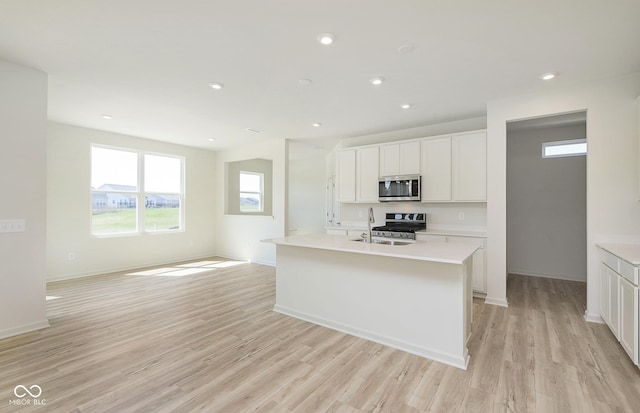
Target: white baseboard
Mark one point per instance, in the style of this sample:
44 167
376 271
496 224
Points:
267 263
593 318
127 268
25 328
452 360
502 302
554 276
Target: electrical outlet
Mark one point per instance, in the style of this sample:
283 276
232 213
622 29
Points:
12 225
461 215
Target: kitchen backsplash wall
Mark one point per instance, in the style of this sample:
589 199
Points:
459 216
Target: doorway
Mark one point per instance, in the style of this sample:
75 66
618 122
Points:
546 197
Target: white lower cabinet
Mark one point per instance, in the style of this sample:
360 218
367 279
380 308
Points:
614 302
479 261
431 238
629 318
479 267
619 306
604 294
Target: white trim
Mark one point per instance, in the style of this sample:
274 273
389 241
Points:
26 328
496 301
459 362
106 271
552 276
593 318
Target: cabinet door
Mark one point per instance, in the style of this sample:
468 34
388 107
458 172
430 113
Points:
435 168
629 318
479 271
431 238
389 160
367 175
604 294
614 302
410 158
346 175
469 152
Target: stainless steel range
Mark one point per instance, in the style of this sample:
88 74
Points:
401 226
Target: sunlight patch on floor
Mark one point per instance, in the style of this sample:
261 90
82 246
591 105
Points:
183 272
190 268
226 264
155 271
199 264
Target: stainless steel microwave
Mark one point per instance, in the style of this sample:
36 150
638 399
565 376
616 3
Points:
399 188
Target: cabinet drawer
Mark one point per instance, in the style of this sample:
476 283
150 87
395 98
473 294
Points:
628 271
432 238
609 259
478 242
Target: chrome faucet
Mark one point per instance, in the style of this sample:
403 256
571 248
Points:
372 219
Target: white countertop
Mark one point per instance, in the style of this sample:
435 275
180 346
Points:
450 253
628 252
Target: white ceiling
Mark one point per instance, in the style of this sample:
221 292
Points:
148 63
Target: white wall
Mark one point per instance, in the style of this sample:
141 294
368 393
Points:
307 189
546 206
23 123
238 236
69 213
613 211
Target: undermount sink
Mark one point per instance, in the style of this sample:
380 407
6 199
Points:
384 241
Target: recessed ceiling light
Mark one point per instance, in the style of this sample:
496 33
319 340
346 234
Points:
212 139
377 81
253 130
406 106
316 124
305 82
107 117
216 85
548 76
406 49
326 38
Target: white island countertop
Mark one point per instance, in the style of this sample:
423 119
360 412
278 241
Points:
628 252
450 253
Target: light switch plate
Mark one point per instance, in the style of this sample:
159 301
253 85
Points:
12 225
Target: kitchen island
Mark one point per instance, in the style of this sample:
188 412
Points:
415 297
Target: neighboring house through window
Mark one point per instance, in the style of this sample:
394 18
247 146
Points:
123 179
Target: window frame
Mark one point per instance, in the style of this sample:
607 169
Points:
140 193
546 145
241 192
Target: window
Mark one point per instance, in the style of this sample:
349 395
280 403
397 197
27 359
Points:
251 192
558 149
122 180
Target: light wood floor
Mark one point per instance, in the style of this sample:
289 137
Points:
209 341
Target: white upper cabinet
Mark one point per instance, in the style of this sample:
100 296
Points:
400 159
453 168
435 169
357 175
367 174
346 175
469 173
